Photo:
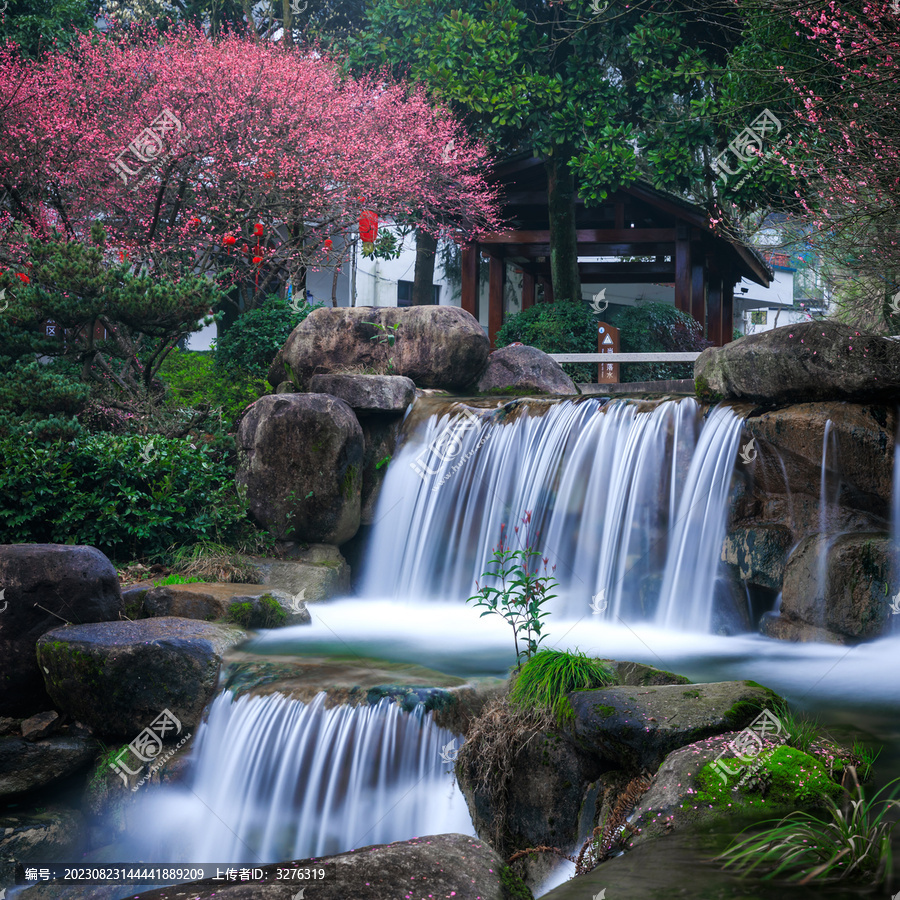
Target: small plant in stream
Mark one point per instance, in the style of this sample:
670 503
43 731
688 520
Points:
847 841
517 588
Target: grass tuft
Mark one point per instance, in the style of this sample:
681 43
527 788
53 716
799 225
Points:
850 841
545 680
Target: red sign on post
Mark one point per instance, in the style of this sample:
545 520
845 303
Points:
607 342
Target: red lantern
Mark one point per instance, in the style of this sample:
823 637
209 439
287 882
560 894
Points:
121 256
368 227
269 174
257 259
193 221
328 245
23 278
258 229
245 249
229 240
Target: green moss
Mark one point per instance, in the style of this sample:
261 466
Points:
661 676
349 482
266 612
783 776
605 711
745 711
694 694
512 886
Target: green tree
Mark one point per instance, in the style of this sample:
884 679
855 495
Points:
605 98
41 26
76 286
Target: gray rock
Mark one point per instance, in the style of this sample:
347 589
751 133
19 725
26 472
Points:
758 554
40 726
300 458
773 626
26 765
634 728
367 393
44 584
801 363
215 601
118 677
524 369
380 435
435 346
319 571
35 838
855 600
441 865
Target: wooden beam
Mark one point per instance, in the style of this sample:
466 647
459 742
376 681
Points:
683 270
620 214
727 311
496 279
584 235
527 290
602 269
469 299
532 251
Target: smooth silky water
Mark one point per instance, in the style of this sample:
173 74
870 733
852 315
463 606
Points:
630 500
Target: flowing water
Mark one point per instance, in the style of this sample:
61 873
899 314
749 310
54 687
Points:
276 779
630 502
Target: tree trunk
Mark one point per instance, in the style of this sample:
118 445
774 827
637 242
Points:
288 23
563 239
423 283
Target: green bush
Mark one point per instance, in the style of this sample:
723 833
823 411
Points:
118 493
545 680
556 328
572 328
253 340
656 328
193 380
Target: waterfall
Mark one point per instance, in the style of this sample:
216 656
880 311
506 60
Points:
276 779
624 496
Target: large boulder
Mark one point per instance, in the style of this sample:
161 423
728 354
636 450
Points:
707 784
120 676
28 765
441 865
300 458
43 584
804 362
636 729
435 346
855 601
517 369
367 393
381 435
259 605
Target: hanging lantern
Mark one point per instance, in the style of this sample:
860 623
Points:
368 227
121 256
23 277
329 243
229 240
258 229
193 221
257 260
269 174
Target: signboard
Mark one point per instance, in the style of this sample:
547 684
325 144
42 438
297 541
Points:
607 342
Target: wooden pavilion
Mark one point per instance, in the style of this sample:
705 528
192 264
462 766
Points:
636 221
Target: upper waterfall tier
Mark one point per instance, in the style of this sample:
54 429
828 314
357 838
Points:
629 499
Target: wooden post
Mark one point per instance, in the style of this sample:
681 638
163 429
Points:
469 299
548 288
727 311
698 288
607 342
527 290
682 269
496 278
714 304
